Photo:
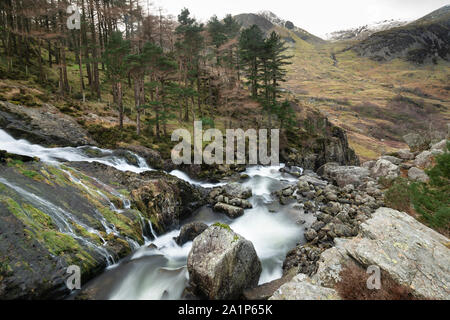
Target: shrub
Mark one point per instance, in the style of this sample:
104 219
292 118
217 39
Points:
398 195
432 200
353 286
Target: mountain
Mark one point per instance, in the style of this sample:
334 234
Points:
363 32
419 41
267 21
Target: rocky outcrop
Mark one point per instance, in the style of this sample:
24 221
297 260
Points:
425 158
222 264
190 231
45 125
329 144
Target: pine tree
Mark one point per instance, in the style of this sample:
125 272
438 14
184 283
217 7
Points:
114 57
251 45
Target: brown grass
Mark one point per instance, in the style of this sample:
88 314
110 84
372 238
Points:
353 286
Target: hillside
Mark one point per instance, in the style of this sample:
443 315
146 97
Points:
424 39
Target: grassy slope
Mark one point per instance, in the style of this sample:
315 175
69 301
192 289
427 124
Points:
357 94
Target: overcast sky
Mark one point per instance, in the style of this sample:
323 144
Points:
316 16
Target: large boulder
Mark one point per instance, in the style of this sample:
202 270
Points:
426 158
303 288
190 231
386 169
222 264
344 175
416 142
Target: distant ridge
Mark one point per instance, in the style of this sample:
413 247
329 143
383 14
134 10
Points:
424 39
267 21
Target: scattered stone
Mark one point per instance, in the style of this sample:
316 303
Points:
314 181
310 234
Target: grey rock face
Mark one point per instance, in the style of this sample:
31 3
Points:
222 264
45 125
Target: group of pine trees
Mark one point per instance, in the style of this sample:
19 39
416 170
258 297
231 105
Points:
174 68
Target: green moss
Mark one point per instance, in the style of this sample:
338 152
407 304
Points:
39 217
14 163
57 176
124 192
222 225
124 224
32 175
43 230
86 234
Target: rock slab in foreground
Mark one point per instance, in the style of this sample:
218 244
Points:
303 288
222 264
411 253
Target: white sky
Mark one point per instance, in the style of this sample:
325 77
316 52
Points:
316 16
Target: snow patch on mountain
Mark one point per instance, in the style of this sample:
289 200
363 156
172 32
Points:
363 32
